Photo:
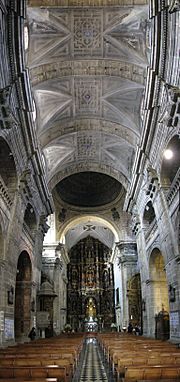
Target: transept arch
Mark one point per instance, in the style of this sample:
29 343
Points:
90 219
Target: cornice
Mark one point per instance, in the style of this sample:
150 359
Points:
87 166
84 3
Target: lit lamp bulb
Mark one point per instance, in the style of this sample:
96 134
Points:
168 154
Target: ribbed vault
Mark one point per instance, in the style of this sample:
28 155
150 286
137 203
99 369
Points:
88 67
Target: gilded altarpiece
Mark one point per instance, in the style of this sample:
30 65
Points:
90 285
134 300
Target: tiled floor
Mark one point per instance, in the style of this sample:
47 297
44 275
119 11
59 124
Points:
92 367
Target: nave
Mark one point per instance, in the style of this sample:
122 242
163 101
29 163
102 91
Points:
93 365
89 167
91 357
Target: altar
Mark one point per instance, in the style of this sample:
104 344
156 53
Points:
91 325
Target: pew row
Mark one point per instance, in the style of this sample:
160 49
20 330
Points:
29 380
135 373
52 371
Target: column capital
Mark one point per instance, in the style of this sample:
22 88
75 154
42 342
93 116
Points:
127 252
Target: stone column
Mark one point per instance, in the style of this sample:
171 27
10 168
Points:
127 263
55 260
2 300
143 269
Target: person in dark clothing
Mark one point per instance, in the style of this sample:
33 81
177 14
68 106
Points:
130 328
138 330
32 334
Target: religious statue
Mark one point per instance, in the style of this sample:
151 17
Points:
91 308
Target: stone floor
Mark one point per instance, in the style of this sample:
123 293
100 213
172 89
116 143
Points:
92 366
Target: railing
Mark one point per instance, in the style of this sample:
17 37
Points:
174 188
28 233
4 193
151 229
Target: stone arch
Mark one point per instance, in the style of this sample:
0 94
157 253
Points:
170 168
74 221
30 221
8 177
22 314
159 299
88 166
149 214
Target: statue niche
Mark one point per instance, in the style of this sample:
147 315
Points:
90 278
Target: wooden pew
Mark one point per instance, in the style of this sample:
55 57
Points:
134 373
145 360
30 372
44 360
150 380
29 380
38 361
121 359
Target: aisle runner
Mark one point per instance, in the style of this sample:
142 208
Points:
92 369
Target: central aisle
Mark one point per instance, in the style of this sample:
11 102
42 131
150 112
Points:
92 367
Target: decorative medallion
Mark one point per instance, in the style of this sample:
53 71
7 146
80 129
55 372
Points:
87 96
88 33
88 145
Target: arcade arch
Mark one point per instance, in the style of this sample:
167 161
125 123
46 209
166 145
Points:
149 215
30 219
8 177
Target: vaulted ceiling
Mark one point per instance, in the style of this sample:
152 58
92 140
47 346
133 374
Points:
88 69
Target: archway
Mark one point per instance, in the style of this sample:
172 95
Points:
91 219
30 222
8 177
149 215
23 297
159 295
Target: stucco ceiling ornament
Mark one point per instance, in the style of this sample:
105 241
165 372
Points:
87 33
88 65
